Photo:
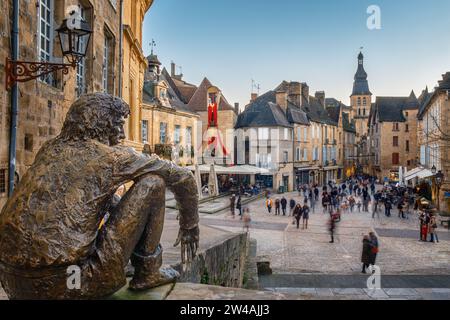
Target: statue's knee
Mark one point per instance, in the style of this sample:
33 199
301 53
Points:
150 184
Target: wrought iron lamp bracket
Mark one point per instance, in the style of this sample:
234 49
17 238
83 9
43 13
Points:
23 71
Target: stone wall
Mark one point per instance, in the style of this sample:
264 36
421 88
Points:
222 264
42 106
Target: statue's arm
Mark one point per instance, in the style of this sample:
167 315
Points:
179 180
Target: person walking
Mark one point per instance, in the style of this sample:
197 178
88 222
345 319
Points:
232 204
305 216
375 247
246 219
366 252
422 234
239 205
283 205
326 202
432 229
269 205
298 212
332 227
316 193
400 206
387 207
351 202
277 207
312 201
292 204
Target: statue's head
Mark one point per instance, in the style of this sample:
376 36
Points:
98 116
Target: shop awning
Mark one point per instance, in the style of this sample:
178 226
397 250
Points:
420 173
242 169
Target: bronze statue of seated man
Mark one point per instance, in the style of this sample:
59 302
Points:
52 221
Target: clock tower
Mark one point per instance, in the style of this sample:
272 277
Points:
361 99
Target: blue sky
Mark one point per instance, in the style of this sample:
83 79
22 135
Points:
234 41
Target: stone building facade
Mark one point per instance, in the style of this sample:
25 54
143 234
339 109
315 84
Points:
294 135
133 68
169 127
393 136
43 102
434 136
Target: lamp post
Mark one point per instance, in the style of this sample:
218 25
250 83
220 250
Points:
74 35
439 179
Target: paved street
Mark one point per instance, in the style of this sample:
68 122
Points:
308 251
305 258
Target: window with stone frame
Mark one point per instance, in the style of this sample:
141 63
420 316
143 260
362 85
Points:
188 136
395 159
45 36
144 132
83 69
108 61
2 180
163 132
177 134
407 146
28 142
395 141
395 126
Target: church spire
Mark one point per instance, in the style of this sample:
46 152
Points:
361 85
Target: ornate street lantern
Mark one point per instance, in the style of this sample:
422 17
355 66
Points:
74 39
439 178
433 170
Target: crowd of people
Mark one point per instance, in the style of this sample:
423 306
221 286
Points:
356 195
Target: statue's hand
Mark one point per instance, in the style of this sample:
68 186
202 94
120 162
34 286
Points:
189 243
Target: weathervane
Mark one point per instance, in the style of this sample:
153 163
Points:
153 45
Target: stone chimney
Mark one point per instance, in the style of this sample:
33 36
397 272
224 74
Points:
281 99
305 93
295 93
320 96
236 107
172 69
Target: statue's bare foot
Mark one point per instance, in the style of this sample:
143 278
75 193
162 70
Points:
165 276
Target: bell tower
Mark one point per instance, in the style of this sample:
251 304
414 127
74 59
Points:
361 99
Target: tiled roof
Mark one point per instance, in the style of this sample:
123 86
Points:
174 99
333 113
186 90
411 103
263 112
332 102
444 84
426 96
390 109
296 115
199 101
316 112
348 125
